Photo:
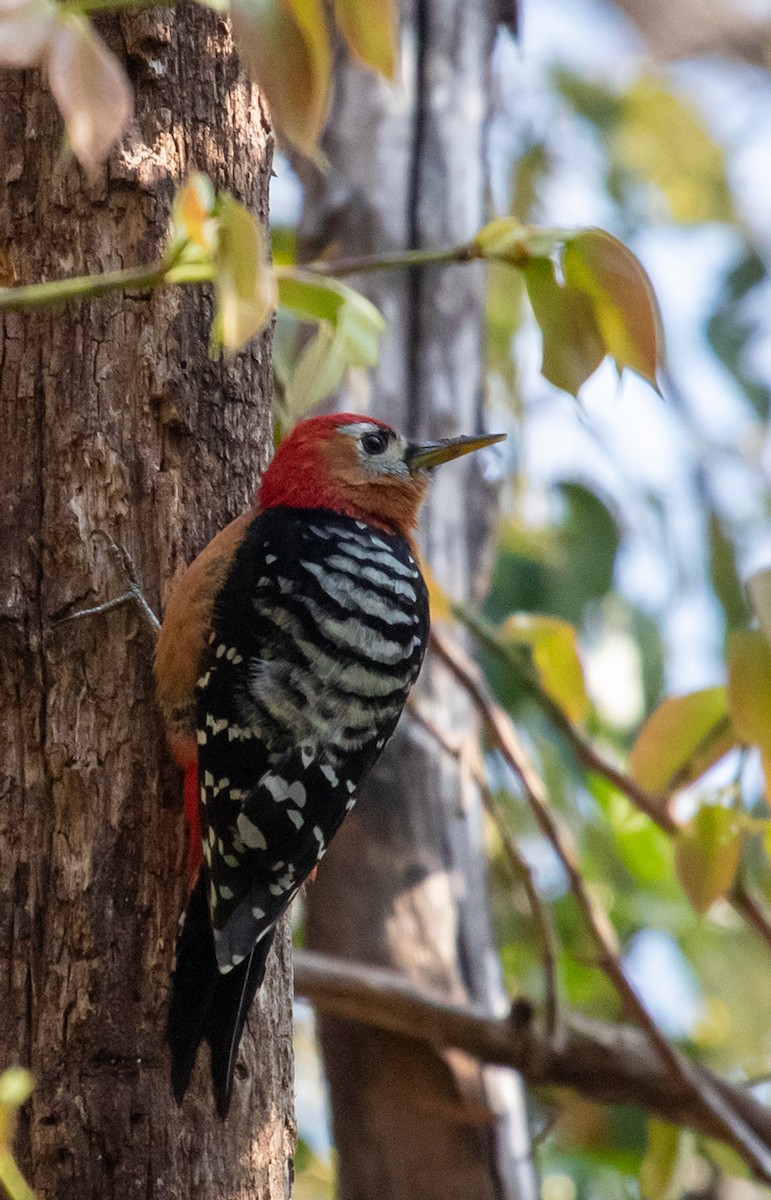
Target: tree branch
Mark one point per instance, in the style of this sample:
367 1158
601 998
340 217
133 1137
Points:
591 760
501 729
518 865
676 29
605 1063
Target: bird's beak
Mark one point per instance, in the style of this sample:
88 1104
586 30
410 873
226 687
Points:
426 457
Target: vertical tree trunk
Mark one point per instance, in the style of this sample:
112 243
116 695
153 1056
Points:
115 422
404 883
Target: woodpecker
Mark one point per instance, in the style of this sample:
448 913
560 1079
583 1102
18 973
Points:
286 655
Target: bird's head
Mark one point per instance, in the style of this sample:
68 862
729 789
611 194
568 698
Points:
359 467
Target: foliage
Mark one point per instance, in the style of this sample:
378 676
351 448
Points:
285 44
668 806
698 755
16 1086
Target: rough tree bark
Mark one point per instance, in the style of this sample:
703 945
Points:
404 883
115 421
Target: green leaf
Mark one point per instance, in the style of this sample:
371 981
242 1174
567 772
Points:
16 1086
285 47
312 297
650 134
507 240
554 649
370 27
245 284
504 294
667 1158
588 542
725 578
729 1162
572 344
349 335
12 1182
680 741
662 137
749 687
319 370
625 306
759 588
732 329
707 854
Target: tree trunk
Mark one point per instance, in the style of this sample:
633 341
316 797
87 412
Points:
404 882
115 422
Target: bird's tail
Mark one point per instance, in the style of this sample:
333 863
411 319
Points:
207 1005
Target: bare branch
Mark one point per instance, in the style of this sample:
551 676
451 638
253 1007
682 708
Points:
602 1062
502 731
134 594
676 29
543 925
519 867
591 760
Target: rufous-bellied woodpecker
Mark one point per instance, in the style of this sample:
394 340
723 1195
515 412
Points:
286 655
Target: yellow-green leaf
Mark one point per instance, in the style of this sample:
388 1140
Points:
371 29
246 288
666 1161
16 1085
439 602
507 240
759 588
573 347
291 69
318 298
554 649
285 47
680 741
319 370
312 297
725 578
90 87
350 329
663 137
707 854
749 687
192 216
625 306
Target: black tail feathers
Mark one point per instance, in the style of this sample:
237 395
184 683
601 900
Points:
207 1005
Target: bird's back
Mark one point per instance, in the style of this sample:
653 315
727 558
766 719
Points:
318 634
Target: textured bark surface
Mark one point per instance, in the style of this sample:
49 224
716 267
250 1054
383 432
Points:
404 882
115 421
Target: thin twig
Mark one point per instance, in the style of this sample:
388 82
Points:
367 263
610 1064
520 869
544 928
165 271
591 760
503 733
54 291
134 594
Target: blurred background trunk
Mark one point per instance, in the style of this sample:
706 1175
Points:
404 883
116 422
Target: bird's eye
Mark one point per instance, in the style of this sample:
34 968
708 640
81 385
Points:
374 443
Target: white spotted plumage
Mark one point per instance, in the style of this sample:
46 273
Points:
317 641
